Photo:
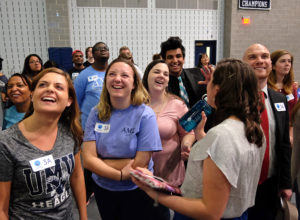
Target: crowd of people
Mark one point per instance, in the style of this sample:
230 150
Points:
238 163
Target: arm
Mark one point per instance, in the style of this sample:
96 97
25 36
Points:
92 162
186 144
77 184
5 188
216 190
79 85
199 131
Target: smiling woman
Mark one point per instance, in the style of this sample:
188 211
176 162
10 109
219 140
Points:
40 156
120 133
19 93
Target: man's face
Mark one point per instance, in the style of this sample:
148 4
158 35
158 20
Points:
101 52
175 61
258 56
77 58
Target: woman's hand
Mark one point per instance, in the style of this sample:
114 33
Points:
126 170
207 73
199 131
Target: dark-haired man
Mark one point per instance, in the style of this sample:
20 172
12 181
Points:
77 59
275 179
183 82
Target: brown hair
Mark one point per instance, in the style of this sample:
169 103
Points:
288 79
71 115
238 96
139 94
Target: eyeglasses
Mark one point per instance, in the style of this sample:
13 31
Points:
35 61
101 48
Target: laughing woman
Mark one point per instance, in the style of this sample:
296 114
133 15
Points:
40 157
120 132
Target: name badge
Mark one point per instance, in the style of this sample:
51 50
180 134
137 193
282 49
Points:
290 97
280 106
102 128
92 78
42 163
74 75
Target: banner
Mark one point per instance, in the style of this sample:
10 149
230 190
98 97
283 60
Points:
258 5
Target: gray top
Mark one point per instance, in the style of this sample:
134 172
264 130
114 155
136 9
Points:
44 194
296 151
237 159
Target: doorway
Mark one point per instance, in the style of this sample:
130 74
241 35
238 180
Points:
208 47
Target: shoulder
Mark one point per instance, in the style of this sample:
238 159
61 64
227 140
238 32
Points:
276 95
176 101
195 73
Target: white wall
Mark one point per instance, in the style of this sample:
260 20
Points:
143 29
23 30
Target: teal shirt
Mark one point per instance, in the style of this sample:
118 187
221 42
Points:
12 116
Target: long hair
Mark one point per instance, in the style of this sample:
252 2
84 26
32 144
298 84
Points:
288 79
139 95
200 65
71 115
238 95
26 69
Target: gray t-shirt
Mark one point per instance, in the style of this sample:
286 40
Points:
238 160
44 194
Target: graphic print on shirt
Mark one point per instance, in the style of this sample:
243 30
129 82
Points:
50 182
96 81
127 131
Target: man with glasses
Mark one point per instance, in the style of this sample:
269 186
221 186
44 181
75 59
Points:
88 86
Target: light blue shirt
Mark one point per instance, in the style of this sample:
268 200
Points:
126 132
88 86
12 116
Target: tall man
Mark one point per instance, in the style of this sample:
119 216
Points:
77 59
183 82
275 180
88 84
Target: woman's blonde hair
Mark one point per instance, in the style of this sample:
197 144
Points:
139 94
288 79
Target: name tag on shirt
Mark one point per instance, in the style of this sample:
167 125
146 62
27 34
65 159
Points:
290 97
42 163
280 106
102 128
92 78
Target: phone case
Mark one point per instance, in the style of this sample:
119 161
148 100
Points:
156 183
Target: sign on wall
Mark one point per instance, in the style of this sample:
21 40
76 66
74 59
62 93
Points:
258 5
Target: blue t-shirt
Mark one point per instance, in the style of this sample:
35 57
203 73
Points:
12 116
88 86
126 132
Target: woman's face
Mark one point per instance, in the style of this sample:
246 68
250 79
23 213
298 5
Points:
204 59
158 78
51 94
35 64
212 91
120 81
17 91
283 65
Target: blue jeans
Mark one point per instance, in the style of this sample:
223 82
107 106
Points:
178 216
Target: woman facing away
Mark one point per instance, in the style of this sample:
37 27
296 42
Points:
224 166
281 79
33 64
121 132
18 90
40 164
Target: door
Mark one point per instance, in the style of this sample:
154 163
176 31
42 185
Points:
208 47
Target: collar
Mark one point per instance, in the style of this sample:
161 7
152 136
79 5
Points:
265 90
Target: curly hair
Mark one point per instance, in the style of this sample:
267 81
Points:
139 94
171 44
238 95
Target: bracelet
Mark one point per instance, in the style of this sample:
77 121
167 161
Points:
121 176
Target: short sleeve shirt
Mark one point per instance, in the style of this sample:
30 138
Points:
239 161
126 132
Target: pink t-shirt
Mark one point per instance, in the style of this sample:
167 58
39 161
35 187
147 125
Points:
167 163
